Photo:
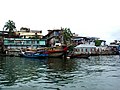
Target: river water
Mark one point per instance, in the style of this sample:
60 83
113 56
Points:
95 73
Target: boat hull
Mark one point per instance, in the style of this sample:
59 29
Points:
33 55
55 54
52 53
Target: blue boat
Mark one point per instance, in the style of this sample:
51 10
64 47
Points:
33 54
43 53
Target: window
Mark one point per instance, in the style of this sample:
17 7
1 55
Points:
42 42
37 42
10 41
56 33
33 42
27 42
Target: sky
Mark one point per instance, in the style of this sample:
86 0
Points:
93 18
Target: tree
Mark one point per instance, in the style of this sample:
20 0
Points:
98 42
25 29
10 26
67 35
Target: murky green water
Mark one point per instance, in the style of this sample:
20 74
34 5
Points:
96 73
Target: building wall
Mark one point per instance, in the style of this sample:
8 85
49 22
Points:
83 50
53 37
22 42
29 34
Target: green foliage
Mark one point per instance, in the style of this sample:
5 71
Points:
98 42
67 35
10 26
70 48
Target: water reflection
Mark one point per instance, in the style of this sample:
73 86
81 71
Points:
58 71
15 69
55 73
61 65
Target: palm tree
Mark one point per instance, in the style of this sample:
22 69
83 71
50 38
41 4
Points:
10 26
67 39
67 35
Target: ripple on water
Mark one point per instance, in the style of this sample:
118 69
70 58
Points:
73 74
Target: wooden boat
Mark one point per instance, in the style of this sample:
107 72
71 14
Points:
34 54
53 53
57 52
44 52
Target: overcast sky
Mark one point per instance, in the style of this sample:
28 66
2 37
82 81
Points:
94 18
